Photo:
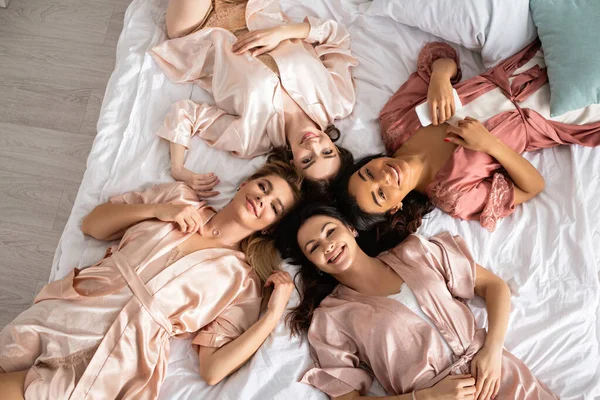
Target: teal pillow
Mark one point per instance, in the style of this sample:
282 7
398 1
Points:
570 35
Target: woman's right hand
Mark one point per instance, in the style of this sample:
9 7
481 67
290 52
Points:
440 99
283 286
185 216
201 183
452 387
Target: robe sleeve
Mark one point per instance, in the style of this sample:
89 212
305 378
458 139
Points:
176 192
488 201
450 257
337 371
433 51
186 119
332 46
231 323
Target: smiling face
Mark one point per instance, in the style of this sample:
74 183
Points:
315 155
327 243
262 202
380 185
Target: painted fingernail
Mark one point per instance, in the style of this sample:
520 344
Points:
446 140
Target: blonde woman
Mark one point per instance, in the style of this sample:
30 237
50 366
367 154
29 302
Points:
181 268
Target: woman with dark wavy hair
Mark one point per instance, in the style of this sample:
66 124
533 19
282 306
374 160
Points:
401 317
471 170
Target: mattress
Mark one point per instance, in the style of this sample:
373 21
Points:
547 250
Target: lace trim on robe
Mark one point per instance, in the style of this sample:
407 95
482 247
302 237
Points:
498 202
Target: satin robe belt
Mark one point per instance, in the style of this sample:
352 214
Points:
141 292
476 345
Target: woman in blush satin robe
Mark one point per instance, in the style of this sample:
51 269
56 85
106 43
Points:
180 269
401 317
277 84
471 170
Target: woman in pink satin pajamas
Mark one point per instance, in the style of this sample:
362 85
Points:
276 85
181 269
401 317
470 169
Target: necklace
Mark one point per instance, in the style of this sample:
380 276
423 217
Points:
215 232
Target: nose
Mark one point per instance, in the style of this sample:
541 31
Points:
259 204
329 247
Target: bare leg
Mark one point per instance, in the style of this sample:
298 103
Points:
185 16
11 385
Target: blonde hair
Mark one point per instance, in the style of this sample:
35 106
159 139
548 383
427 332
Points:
260 248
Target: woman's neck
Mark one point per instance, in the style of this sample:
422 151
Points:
296 120
370 276
420 176
224 228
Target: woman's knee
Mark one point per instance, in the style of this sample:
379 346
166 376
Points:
185 16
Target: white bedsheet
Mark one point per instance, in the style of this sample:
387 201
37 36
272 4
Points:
547 251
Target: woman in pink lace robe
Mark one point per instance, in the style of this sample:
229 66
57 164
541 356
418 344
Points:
276 84
401 317
470 169
181 269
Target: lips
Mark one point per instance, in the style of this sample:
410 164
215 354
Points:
336 255
395 173
308 136
251 207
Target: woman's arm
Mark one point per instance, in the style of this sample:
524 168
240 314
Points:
217 363
108 220
486 366
451 387
471 134
203 184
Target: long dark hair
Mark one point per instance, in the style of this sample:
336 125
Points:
321 190
382 231
313 285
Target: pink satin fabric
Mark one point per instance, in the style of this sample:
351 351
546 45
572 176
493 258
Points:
247 117
353 335
472 185
104 332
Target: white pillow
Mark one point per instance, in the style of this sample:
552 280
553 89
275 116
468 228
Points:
496 28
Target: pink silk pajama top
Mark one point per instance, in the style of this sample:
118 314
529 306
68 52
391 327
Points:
247 118
104 332
354 336
472 184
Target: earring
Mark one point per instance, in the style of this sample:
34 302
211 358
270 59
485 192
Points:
265 232
238 189
319 272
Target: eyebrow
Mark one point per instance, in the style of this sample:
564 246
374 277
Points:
322 230
375 199
269 185
361 176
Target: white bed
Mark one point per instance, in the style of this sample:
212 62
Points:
546 251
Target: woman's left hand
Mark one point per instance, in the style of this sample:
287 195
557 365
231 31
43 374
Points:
471 134
265 39
486 368
283 286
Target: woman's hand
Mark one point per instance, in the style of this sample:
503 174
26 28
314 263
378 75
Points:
471 134
185 216
452 387
282 291
486 367
201 183
440 99
265 40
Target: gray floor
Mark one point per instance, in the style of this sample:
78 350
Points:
55 59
